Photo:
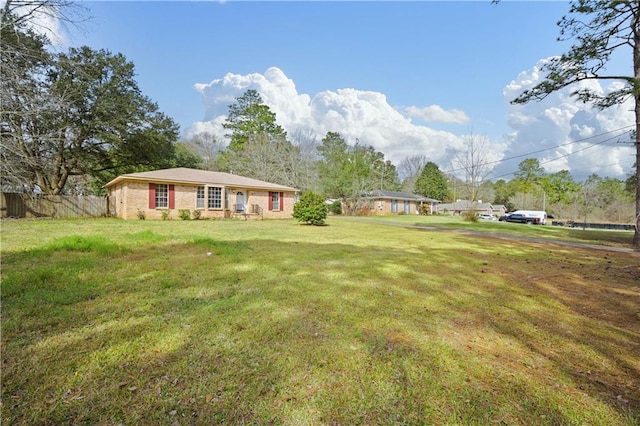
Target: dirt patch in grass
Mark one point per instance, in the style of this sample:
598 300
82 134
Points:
600 293
614 301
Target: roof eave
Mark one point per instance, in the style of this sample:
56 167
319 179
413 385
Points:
123 178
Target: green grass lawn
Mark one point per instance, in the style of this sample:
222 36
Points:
202 322
559 233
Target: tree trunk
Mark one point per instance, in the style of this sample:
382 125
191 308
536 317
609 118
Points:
636 95
636 236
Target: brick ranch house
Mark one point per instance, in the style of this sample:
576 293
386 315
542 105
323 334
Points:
461 207
213 194
392 202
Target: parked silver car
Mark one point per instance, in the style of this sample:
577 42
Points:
485 216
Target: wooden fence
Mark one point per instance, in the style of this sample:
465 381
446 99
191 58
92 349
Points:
16 205
615 226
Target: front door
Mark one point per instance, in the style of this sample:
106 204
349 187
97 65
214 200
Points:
240 202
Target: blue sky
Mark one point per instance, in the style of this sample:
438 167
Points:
454 57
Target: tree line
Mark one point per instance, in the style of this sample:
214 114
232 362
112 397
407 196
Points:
72 121
258 147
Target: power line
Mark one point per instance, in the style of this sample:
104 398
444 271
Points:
566 155
529 154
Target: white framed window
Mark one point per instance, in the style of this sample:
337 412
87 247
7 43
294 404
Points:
162 195
407 207
394 206
214 197
275 201
200 197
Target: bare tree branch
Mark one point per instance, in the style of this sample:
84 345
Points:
473 161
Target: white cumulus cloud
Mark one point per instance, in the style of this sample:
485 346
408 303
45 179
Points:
436 114
358 115
564 133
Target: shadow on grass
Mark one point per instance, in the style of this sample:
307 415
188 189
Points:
259 331
614 237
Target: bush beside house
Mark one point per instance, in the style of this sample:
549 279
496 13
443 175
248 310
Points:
310 209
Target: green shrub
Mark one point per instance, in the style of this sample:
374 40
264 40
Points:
336 207
141 214
166 214
310 209
196 214
470 216
425 209
184 214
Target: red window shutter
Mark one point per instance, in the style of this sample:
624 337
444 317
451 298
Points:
270 200
172 197
282 201
152 195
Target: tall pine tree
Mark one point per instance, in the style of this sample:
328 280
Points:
249 118
600 29
432 182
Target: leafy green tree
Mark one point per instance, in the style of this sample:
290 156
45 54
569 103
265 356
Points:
70 115
90 119
609 189
600 29
503 193
104 122
360 162
432 182
613 200
336 207
559 187
528 175
185 156
250 117
335 179
259 148
310 209
383 173
348 172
